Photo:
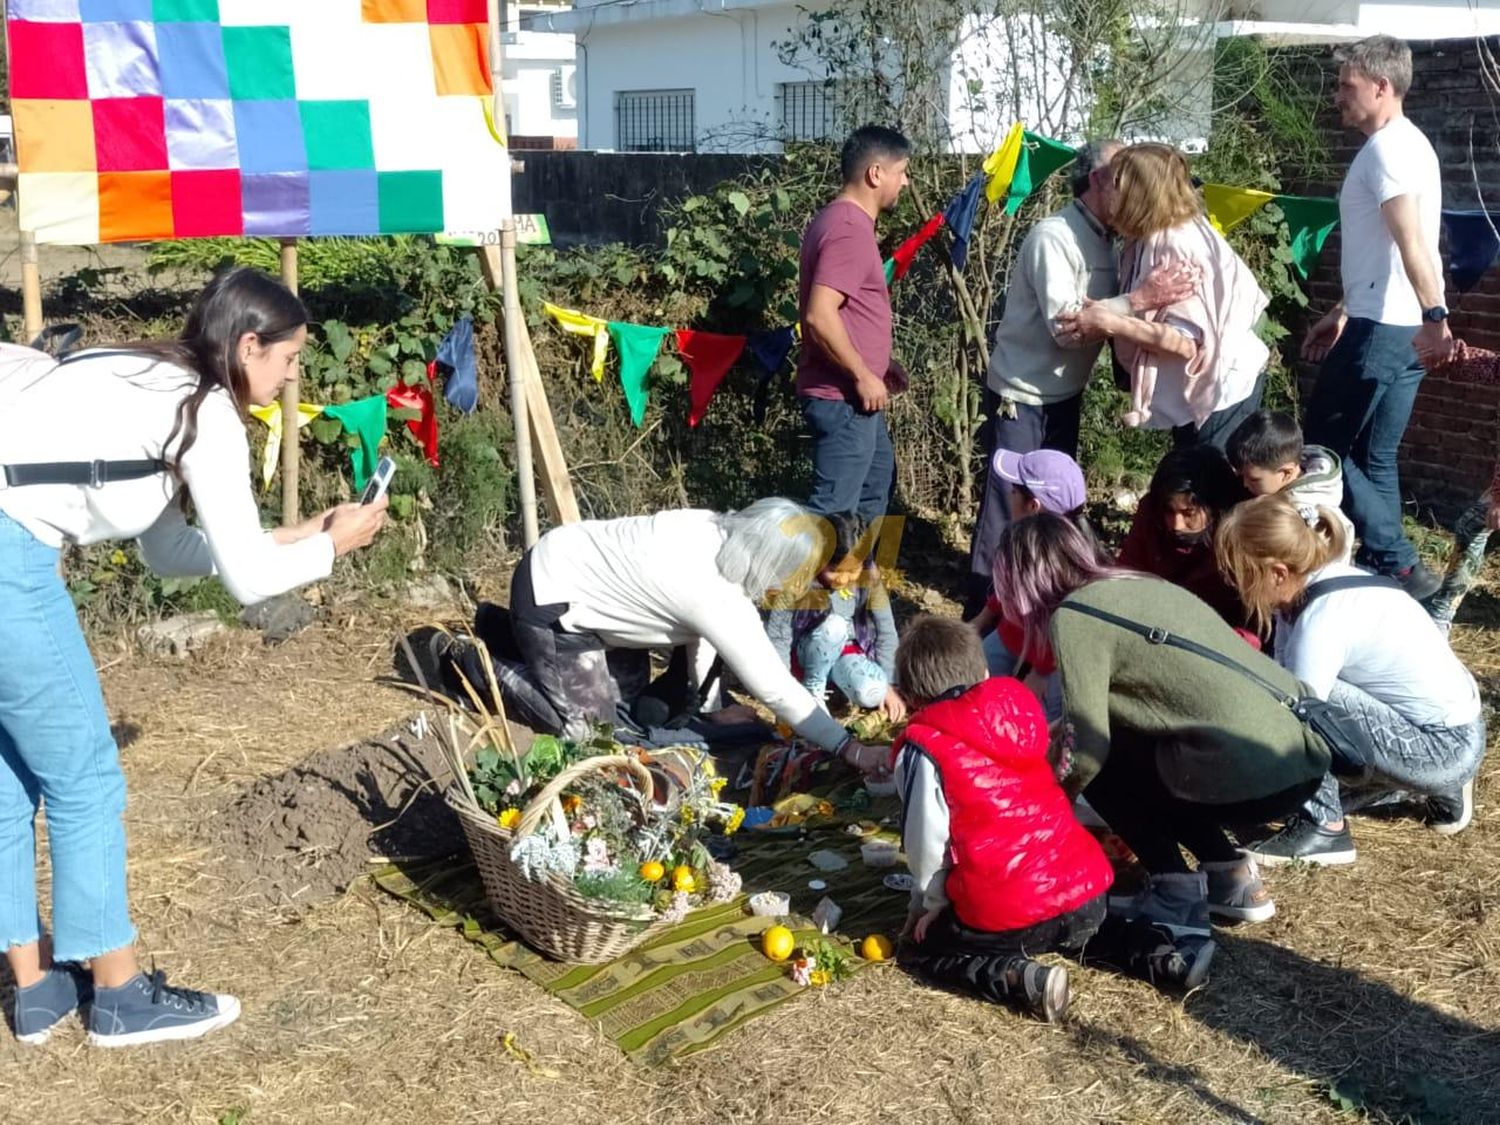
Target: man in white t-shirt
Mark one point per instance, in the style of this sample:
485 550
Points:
1391 325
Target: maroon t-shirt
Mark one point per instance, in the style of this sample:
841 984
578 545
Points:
839 250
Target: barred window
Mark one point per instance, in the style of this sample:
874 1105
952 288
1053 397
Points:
655 121
807 111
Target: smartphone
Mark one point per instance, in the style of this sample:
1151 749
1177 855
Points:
377 484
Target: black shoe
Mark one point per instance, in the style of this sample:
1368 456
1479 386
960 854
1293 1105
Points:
444 653
1043 987
1181 964
1418 581
1302 838
1449 813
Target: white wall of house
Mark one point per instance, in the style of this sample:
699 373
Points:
539 86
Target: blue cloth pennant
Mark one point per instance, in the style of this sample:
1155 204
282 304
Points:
1472 245
959 215
770 349
456 353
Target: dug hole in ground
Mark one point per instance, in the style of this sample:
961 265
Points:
258 774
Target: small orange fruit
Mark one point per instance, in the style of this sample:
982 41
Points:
652 871
683 879
876 947
777 943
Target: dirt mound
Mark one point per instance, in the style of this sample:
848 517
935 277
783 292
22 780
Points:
303 835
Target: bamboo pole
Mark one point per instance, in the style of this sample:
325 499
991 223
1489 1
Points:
515 370
31 287
291 396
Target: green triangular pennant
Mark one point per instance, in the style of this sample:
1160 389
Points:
1309 220
638 345
1040 157
890 271
365 418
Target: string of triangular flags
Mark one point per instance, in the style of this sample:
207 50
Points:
368 418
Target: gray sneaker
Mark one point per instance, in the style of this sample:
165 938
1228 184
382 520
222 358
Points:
42 1006
1237 893
147 1010
1178 903
1182 964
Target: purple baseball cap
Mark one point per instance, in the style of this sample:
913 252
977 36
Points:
1051 476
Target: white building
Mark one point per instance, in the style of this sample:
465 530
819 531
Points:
712 76
538 87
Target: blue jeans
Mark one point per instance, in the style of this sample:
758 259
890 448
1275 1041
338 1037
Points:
55 746
854 465
1359 409
822 656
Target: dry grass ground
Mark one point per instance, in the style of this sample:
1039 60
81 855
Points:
1382 980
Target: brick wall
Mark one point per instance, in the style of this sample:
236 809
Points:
1451 443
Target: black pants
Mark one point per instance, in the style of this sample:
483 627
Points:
1130 795
1054 426
1219 425
979 961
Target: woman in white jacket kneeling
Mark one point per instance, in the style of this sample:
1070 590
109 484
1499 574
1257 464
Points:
107 445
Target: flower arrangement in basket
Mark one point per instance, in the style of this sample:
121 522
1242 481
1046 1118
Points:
585 849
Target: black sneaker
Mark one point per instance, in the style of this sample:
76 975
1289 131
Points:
1302 838
1044 987
1449 813
1418 581
1181 964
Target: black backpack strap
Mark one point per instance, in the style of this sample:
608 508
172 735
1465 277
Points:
94 474
1348 582
1159 636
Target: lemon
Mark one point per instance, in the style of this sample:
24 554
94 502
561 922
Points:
777 943
653 872
683 879
876 947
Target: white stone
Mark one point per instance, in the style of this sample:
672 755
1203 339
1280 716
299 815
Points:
177 636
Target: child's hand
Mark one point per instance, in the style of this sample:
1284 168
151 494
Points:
919 931
894 707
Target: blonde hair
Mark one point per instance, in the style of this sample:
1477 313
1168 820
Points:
1255 534
1153 190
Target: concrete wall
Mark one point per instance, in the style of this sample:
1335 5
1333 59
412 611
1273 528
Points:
531 58
1451 444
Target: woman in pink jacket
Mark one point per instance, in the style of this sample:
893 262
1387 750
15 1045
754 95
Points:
1196 367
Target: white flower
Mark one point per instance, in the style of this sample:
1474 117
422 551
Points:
596 857
802 970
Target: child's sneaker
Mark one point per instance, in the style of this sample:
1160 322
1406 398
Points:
1177 902
148 1010
1182 963
42 1006
1043 987
1237 893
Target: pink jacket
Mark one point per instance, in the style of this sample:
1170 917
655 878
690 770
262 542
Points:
1221 316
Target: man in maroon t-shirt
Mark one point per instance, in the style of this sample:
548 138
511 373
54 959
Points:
844 372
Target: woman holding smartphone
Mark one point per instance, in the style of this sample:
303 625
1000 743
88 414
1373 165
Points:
109 444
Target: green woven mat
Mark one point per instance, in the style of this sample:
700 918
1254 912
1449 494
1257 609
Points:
690 984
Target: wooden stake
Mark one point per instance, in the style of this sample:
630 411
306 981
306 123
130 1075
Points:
291 396
31 287
520 411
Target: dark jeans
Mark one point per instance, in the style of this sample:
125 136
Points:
1220 424
979 961
1054 426
1134 801
1359 409
854 466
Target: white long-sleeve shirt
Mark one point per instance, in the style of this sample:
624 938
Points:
654 582
924 829
115 407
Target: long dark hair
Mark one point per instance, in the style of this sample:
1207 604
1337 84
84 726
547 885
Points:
235 302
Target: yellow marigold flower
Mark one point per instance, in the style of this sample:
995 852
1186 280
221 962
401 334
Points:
717 785
117 557
509 819
818 978
736 818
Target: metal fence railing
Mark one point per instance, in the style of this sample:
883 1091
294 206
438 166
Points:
655 121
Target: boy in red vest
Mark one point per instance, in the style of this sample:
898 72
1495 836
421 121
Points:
1001 869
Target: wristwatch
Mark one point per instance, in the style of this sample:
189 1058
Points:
1435 315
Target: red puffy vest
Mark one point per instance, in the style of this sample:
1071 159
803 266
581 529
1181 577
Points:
1018 855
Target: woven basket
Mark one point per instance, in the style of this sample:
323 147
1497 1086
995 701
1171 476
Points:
550 915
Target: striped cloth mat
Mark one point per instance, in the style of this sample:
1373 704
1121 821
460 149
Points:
679 992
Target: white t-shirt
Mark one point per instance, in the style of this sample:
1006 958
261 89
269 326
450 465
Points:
654 582
1381 641
1398 160
115 407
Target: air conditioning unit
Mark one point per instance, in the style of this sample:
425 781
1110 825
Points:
565 87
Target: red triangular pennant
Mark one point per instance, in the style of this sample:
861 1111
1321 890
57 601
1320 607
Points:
709 357
908 249
426 427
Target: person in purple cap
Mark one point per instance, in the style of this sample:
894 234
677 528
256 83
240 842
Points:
1044 480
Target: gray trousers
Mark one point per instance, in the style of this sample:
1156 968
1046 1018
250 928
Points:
1406 758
